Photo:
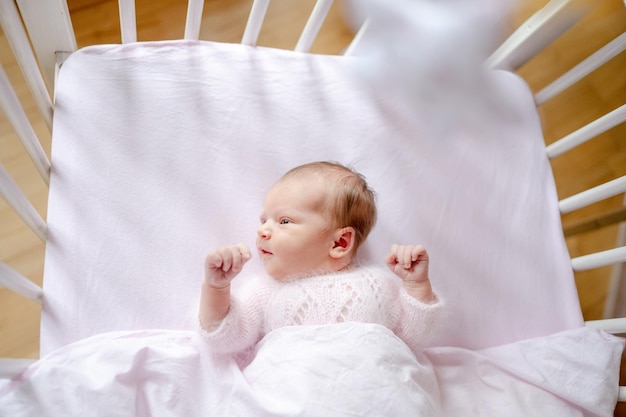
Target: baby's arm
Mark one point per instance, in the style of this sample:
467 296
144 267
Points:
411 264
220 267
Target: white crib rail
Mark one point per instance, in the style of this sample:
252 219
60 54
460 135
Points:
350 50
18 40
587 132
255 21
599 259
50 30
20 204
597 59
614 326
308 35
10 104
593 195
11 367
614 305
539 31
18 283
194 19
313 25
128 21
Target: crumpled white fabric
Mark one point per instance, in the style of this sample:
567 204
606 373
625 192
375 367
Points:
570 373
334 370
432 54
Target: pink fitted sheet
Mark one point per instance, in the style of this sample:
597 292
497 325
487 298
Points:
162 151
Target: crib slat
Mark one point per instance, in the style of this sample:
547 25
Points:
593 195
541 29
599 259
597 59
614 326
313 25
128 21
255 21
354 45
16 35
615 305
50 30
18 201
19 284
13 367
587 132
11 106
194 19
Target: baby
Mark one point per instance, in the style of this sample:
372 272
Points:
313 221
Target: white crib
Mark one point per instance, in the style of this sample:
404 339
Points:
48 28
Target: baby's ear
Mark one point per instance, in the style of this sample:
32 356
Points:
343 242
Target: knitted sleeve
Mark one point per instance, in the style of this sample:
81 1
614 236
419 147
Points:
417 321
242 327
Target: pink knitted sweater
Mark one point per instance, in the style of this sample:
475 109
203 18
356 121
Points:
368 295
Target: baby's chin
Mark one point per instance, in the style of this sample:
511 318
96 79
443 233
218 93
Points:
294 276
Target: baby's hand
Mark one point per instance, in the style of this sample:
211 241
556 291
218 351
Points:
409 263
223 264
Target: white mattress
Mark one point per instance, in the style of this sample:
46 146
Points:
163 151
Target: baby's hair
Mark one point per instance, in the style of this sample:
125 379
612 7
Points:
351 203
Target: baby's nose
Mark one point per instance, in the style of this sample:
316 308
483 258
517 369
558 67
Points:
264 231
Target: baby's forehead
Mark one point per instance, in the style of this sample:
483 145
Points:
324 173
315 175
296 183
312 192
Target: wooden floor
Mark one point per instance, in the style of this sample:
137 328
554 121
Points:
96 21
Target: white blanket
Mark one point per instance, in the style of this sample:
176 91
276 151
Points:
343 369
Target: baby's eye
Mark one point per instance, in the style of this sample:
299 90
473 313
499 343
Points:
285 221
262 220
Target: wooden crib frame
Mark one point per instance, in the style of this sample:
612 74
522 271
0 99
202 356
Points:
48 28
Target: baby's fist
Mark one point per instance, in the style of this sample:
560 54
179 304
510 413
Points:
223 264
409 262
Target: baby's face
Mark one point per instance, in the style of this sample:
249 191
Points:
294 238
